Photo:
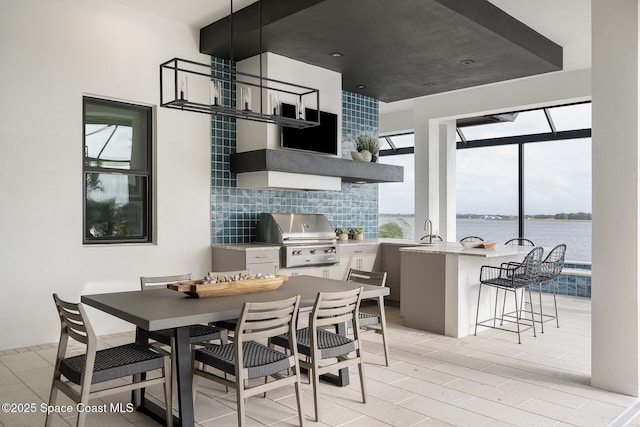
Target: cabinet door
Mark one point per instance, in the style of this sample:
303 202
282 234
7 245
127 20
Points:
308 271
359 257
263 268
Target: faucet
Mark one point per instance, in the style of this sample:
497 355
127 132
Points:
428 225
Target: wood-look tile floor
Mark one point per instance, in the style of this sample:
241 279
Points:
488 380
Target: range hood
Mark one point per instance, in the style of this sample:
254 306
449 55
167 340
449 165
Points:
301 163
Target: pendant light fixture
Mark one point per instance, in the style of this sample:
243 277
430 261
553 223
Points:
222 90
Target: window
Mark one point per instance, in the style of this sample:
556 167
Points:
396 200
518 173
487 193
116 172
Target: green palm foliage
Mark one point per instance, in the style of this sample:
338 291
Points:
397 229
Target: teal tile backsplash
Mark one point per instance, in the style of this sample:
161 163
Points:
235 211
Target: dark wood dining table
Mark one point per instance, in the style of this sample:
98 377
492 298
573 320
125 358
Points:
157 309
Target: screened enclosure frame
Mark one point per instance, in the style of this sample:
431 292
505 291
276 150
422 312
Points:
520 140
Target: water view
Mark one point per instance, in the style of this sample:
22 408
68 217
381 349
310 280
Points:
548 233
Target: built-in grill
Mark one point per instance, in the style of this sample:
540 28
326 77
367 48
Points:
306 239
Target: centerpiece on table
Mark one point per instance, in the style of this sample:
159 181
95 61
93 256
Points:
367 146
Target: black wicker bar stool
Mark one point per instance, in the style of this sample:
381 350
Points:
510 277
551 268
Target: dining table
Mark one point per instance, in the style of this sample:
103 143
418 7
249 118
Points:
157 309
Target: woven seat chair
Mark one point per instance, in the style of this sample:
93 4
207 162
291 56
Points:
229 324
472 239
510 277
519 241
198 334
246 358
367 321
318 345
95 367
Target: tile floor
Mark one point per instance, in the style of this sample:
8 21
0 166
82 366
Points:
488 380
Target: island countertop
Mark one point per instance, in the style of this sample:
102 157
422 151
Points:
455 248
439 285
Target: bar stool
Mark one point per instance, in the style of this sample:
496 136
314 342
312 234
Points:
519 241
472 239
551 268
510 277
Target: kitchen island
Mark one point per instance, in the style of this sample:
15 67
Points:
439 285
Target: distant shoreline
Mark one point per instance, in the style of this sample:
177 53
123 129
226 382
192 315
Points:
492 219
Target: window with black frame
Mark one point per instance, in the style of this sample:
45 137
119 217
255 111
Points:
117 172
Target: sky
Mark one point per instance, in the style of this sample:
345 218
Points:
557 173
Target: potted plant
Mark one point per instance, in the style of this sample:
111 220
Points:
357 232
367 146
342 233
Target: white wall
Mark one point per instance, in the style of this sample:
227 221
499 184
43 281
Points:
614 328
53 53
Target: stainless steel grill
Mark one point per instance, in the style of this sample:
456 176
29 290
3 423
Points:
306 239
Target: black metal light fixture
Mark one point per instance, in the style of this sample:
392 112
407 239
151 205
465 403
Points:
222 90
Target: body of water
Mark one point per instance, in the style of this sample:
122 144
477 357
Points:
548 233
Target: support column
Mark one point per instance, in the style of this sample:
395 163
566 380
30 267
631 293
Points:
615 329
447 225
435 169
426 157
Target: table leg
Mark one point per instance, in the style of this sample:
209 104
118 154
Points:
157 412
184 376
342 378
343 374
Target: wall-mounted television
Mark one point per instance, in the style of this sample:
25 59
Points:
318 139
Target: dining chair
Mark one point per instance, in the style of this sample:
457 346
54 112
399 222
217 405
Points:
472 239
228 324
246 358
319 345
510 277
95 367
198 334
519 241
367 321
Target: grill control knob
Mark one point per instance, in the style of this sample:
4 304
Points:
312 251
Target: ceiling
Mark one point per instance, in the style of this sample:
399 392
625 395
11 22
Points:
393 51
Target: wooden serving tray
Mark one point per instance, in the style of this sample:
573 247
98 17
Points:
197 288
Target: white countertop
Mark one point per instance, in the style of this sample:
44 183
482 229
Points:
455 248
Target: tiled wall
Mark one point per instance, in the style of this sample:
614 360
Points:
234 211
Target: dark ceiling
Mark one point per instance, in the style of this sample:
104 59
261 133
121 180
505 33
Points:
397 49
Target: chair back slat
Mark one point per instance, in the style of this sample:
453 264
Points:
255 316
367 277
73 320
279 323
335 307
260 320
152 282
